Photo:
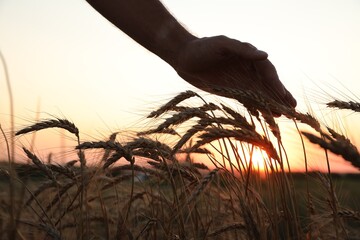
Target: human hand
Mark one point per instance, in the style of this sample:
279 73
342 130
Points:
221 62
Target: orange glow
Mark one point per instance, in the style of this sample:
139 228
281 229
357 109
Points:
258 160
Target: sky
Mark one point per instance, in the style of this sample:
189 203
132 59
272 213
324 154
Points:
66 60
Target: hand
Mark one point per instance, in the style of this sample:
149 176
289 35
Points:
221 62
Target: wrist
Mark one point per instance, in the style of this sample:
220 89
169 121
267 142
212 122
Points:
172 38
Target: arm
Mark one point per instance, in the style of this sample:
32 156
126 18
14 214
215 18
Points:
208 63
148 23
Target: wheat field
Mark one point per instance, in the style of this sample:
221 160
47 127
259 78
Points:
153 186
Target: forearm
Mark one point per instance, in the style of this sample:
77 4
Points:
148 23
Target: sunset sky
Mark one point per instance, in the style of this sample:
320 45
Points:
66 60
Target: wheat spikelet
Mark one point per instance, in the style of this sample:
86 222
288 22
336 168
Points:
274 127
209 107
71 163
40 165
344 105
257 102
107 152
100 144
202 185
245 135
158 165
150 154
170 131
195 150
200 166
149 148
147 143
190 132
349 214
179 118
254 101
246 97
172 103
52 123
239 119
338 136
217 121
304 118
206 107
63 170
201 126
339 145
120 151
114 157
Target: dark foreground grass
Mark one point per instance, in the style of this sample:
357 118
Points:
154 187
103 205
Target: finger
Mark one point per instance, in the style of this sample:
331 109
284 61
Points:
270 78
272 83
290 99
245 50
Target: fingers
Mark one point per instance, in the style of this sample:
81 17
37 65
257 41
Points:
269 77
290 99
265 69
244 50
272 83
205 60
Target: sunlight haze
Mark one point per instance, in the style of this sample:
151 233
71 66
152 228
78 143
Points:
64 59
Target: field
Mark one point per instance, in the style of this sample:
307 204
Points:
153 186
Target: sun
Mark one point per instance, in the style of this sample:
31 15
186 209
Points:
257 159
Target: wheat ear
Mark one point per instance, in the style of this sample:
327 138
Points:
52 123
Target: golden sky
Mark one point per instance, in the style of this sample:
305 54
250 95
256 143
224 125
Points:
65 58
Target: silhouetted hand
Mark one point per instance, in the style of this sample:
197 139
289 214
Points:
222 62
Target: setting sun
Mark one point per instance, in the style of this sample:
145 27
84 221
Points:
258 159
